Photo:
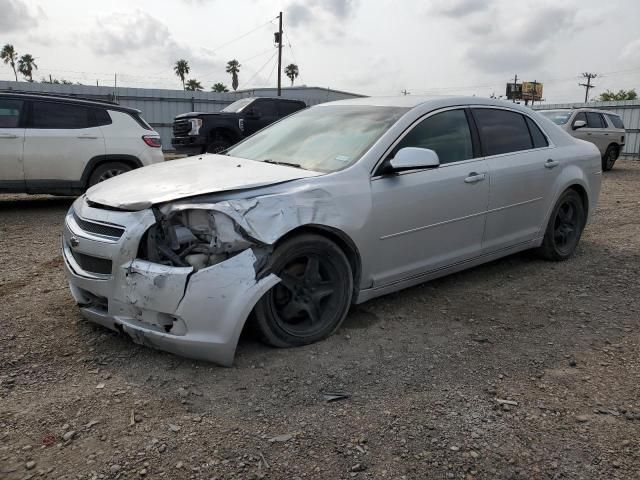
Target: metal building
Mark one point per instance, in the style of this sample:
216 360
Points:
629 111
160 106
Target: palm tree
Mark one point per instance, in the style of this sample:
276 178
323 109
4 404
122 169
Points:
219 87
193 85
26 65
233 67
182 69
9 56
292 72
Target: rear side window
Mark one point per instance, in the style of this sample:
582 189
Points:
10 111
446 133
616 121
539 140
102 117
595 120
141 121
60 115
502 131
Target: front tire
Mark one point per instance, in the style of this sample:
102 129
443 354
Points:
106 171
218 145
314 294
609 158
564 228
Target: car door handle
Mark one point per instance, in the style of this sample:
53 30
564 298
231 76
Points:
8 135
475 177
89 137
551 163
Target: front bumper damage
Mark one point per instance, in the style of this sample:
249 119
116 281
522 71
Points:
197 314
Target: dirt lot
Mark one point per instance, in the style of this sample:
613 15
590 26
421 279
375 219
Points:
424 368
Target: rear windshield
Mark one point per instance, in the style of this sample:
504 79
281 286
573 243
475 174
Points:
559 117
616 120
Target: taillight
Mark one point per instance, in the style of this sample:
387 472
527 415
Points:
152 141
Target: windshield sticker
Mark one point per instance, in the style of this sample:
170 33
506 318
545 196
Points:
343 158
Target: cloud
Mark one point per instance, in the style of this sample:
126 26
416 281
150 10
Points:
460 8
496 39
319 12
16 15
631 52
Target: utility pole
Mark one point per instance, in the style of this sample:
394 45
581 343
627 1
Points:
279 40
513 92
587 85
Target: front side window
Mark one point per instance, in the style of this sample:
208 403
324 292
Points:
10 110
616 120
266 108
502 131
323 139
60 116
580 116
446 133
594 120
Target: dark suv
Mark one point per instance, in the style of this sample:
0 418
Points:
196 132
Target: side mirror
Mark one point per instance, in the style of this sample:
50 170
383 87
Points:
409 158
579 124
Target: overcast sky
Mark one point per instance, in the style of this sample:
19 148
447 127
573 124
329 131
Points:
375 47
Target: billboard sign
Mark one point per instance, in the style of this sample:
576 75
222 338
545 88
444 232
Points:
532 91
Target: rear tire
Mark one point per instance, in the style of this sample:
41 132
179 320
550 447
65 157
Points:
609 158
108 170
314 294
564 228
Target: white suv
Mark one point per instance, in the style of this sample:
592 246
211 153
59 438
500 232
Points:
64 145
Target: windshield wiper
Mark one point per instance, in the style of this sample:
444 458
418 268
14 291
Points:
296 165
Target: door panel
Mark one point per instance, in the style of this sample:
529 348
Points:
521 185
428 219
11 145
593 131
59 141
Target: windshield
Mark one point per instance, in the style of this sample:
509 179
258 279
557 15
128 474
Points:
238 105
323 139
559 117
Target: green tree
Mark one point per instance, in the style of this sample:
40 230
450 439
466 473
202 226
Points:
26 66
292 72
9 56
193 85
219 87
233 67
181 69
608 95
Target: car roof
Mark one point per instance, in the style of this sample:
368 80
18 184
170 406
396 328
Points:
441 101
68 99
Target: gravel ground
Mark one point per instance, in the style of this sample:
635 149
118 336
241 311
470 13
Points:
428 371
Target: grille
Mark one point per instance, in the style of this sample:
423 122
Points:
181 128
92 264
98 228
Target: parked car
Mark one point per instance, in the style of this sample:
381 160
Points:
604 129
63 145
332 206
197 132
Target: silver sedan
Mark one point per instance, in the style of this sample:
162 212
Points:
332 206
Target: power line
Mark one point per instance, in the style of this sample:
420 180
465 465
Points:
258 71
293 55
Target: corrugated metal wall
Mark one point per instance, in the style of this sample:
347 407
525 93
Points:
159 107
629 110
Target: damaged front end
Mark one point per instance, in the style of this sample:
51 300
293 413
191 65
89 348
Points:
197 238
194 280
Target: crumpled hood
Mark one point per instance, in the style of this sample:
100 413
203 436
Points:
175 179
